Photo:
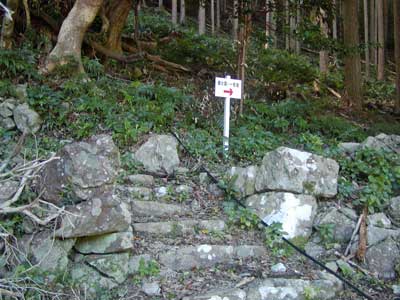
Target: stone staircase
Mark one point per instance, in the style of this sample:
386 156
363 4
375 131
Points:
201 256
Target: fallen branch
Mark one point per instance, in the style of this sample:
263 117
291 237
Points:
362 242
353 236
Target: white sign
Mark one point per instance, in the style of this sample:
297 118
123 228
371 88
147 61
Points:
228 88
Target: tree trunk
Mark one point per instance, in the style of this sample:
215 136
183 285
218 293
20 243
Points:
174 11
182 16
287 25
334 21
218 25
396 12
323 54
71 35
381 41
202 16
235 20
117 14
7 31
366 39
212 17
352 68
160 4
298 20
267 24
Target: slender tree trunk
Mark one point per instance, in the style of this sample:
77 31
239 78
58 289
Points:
174 11
182 16
202 16
70 37
352 69
117 15
212 4
334 21
366 39
235 20
287 25
7 30
298 21
396 12
267 24
160 4
323 54
218 25
381 41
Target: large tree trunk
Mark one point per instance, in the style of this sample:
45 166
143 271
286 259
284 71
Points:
381 41
335 21
352 68
218 15
373 31
396 12
202 16
323 54
235 20
117 14
7 31
212 17
71 35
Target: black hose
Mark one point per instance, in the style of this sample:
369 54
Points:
302 252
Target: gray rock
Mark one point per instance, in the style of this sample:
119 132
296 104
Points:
114 266
343 226
383 142
278 268
161 192
159 154
378 234
332 265
49 253
91 281
7 123
294 171
345 267
379 220
155 209
203 178
394 209
382 259
21 92
293 289
396 289
141 180
8 189
183 189
7 107
244 179
85 170
349 148
295 212
225 294
105 244
314 249
26 119
142 193
203 256
151 288
134 262
95 217
214 190
179 227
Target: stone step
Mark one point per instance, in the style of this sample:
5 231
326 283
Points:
156 209
205 256
278 289
180 227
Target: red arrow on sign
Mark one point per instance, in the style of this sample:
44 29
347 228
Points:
230 92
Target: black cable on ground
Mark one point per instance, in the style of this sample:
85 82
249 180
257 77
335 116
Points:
301 251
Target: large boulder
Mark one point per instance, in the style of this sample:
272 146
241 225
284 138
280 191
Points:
244 179
384 142
106 243
300 172
394 209
26 119
85 170
98 216
159 154
382 258
295 212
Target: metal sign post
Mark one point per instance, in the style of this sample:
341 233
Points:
227 88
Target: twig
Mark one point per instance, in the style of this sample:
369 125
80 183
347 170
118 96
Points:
353 264
353 236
